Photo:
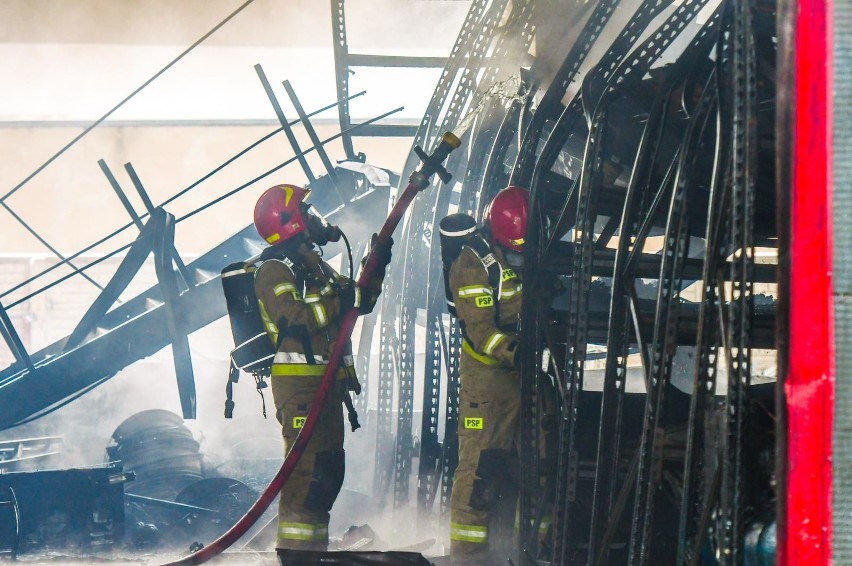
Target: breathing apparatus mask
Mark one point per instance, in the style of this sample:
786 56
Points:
321 232
514 259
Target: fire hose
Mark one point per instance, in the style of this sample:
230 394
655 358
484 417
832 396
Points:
418 181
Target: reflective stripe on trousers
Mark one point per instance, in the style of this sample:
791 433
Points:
302 531
468 533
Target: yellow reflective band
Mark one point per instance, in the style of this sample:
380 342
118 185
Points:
273 238
472 290
302 370
518 242
298 531
299 422
468 533
509 293
492 342
297 369
282 288
473 422
319 314
509 274
313 298
487 360
271 327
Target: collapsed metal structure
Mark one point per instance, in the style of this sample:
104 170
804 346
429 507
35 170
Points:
647 144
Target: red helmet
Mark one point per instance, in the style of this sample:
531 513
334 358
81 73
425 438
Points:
507 217
278 214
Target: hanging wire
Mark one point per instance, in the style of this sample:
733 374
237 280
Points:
92 126
97 122
206 206
67 260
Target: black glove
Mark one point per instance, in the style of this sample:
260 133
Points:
515 348
346 294
383 256
370 293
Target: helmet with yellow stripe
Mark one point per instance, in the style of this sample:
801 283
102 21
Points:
279 214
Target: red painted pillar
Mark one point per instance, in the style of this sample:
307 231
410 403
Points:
809 385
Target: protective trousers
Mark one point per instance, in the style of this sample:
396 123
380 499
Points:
310 492
488 468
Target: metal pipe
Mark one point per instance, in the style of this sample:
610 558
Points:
170 504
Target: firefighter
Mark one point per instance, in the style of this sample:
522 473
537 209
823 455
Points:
489 403
302 300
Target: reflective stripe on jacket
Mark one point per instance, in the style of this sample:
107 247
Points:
485 340
300 316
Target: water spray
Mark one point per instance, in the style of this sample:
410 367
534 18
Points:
418 181
512 89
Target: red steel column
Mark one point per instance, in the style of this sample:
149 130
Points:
809 385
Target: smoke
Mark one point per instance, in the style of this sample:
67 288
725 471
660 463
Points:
557 25
508 90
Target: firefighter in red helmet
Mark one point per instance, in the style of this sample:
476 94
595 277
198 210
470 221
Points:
302 300
488 309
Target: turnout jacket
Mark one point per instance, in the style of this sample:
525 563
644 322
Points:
489 325
300 308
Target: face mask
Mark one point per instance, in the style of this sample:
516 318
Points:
514 259
321 232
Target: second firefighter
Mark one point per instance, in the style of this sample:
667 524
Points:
486 287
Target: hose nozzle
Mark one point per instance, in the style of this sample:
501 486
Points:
434 164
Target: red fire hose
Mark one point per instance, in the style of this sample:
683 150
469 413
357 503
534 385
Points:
419 180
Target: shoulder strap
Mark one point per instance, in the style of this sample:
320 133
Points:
480 247
299 270
280 259
285 329
489 261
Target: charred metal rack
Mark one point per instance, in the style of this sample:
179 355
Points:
345 62
688 137
652 175
405 293
480 57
